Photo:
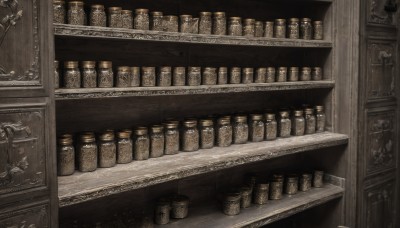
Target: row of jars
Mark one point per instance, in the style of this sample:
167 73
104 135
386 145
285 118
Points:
175 207
207 22
170 138
88 76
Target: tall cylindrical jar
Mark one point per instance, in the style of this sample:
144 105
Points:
293 74
316 73
170 23
271 127
235 76
179 76
171 138
276 189
205 23
180 207
306 29
305 74
298 123
258 29
142 20
219 23
222 75
98 16
115 17
164 77
162 212
284 124
318 30
224 132
76 13
257 128
148 77
107 150
127 19
247 75
318 179
87 153
246 195
305 182
271 73
235 26
280 28
282 74
321 118
105 75
310 121
231 204
194 76
124 147
141 142
59 12
65 157
207 135
89 74
135 77
269 29
123 77
156 23
240 130
157 141
293 28
190 136
209 76
249 27
292 185
261 75
185 25
260 195
56 74
72 75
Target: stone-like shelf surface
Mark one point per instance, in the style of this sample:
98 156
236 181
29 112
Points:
89 93
82 187
258 216
141 35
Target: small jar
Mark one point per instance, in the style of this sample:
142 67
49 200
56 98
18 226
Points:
235 76
249 27
105 75
276 189
280 28
271 127
245 197
164 77
72 75
171 136
261 75
186 24
310 121
231 204
305 29
321 118
219 23
318 30
207 135
148 77
247 75
240 130
293 28
269 29
318 180
162 212
123 77
65 157
298 123
124 147
107 150
142 20
135 77
205 23
222 75
316 73
98 16
59 12
87 153
89 74
170 23
141 149
209 76
271 72
305 74
282 74
305 182
292 185
156 21
284 124
293 74
259 29
157 141
235 27
260 195
115 17
180 207
56 75
190 136
179 76
194 76
76 13
127 19
224 132
257 128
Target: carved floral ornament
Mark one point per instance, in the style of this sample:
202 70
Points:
384 14
381 143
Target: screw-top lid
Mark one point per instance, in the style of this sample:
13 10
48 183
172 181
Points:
114 9
306 69
284 114
97 6
88 64
70 64
294 19
124 134
124 68
205 13
76 3
319 108
58 2
235 18
256 116
87 137
135 70
308 111
296 69
270 116
171 17
306 176
249 21
269 23
107 136
306 19
223 69
170 125
105 64
248 70
128 12
259 23
185 16
298 113
65 141
224 121
282 68
190 123
317 69
138 11
206 122
166 69
156 13
237 69
140 131
318 22
240 118
157 128
219 14
271 69
65 136
280 21
245 190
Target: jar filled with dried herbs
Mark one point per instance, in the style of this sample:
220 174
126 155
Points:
142 19
271 127
164 77
245 197
65 156
318 180
179 207
280 28
127 19
156 23
222 75
292 184
298 123
321 118
157 141
282 74
249 27
115 17
276 189
219 23
258 29
305 182
76 13
284 124
261 75
124 147
231 204
271 72
240 130
310 121
123 77
87 152
89 74
141 141
209 76
135 77
148 76
194 76
72 75
207 135
224 132
98 16
257 128
171 138
306 29
293 74
305 74
59 12
235 76
179 76
235 27
260 195
105 75
293 28
190 136
247 75
269 29
107 150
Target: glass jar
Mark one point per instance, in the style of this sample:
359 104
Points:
141 143
127 19
298 123
235 26
224 132
59 12
305 182
124 147
318 180
123 77
247 75
316 73
260 195
87 153
115 17
257 128
305 74
305 29
235 76
190 136
261 75
157 141
219 23
148 76
240 130
271 127
293 28
180 207
56 75
284 124
72 75
98 16
293 74
156 21
245 197
89 74
194 76
269 29
107 150
222 75
135 77
310 121
65 157
276 189
209 76
271 72
318 30
207 135
142 20
164 76
282 74
76 13
162 212
292 185
231 204
170 23
321 118
105 75
280 28
179 76
171 138
205 23
249 27
259 29
186 24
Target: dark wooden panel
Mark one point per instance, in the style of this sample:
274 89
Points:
377 14
27 216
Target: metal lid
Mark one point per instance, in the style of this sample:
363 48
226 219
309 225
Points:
224 121
270 116
156 13
248 70
190 123
294 69
319 108
293 19
298 113
97 6
259 23
166 69
171 120
179 69
284 114
219 14
124 135
87 138
306 19
66 136
206 122
318 22
137 11
235 69
123 68
65 141
308 111
256 116
114 9
105 64
171 17
306 69
262 186
240 119
58 2
282 68
76 3
140 131
185 16
209 69
171 125
129 12
232 197
205 13
223 69
70 64
269 23
271 69
106 136
249 21
262 70
157 128
88 64
280 21
235 18
194 68
317 69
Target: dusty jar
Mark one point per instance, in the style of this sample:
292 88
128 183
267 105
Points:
318 30
123 77
171 135
135 77
59 12
298 123
157 141
271 72
305 182
56 74
231 204
293 28
245 197
89 74
222 75
269 29
280 28
260 195
127 19
107 150
162 212
261 75
224 132
240 130
321 118
76 13
194 76
205 23
318 180
249 27
271 127
105 75
258 29
179 207
179 76
65 157
247 75
185 25
257 128
316 73
207 135
209 76
282 74
142 20
170 23
124 147
310 121
190 136
306 29
219 23
292 185
276 189
141 141
98 16
148 76
293 74
305 74
156 23
115 17
164 77
235 76
235 27
284 124
87 152
72 75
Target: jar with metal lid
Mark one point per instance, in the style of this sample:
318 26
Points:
59 12
89 74
282 74
194 76
306 29
224 132
72 75
162 212
259 29
105 75
98 16
261 75
318 30
284 124
249 27
235 27
293 74
190 136
293 28
65 157
240 130
207 135
164 77
245 197
124 147
205 23
257 128
115 17
298 123
305 74
271 127
127 19
222 75
123 77
171 136
156 23
56 75
310 121
231 204
219 23
271 72
316 73
107 150
269 29
148 76
157 141
135 77
260 195
179 76
235 76
209 76
142 20
305 182
141 142
280 28
170 23
179 207
292 184
247 75
321 118
276 189
87 152
318 179
185 23
76 13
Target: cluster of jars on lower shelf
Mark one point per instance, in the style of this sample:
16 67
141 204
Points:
175 207
207 23
187 136
102 76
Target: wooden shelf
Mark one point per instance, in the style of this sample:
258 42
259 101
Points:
82 187
65 94
257 216
65 30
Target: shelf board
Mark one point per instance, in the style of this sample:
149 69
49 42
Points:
82 187
87 93
258 216
65 30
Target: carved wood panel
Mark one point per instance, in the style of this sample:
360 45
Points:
381 12
32 217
